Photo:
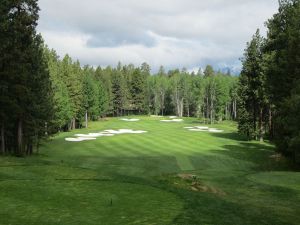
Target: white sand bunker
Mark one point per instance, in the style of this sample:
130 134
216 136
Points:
130 120
94 135
204 129
156 116
78 139
172 120
124 131
172 117
105 133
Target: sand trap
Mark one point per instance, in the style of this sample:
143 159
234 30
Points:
173 120
199 130
130 120
177 120
201 127
94 135
214 130
105 133
204 129
78 139
124 131
156 116
172 117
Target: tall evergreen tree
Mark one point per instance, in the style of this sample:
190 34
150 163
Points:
61 100
252 100
209 71
72 76
138 87
25 80
90 95
282 51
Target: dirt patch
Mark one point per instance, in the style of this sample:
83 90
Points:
192 182
187 176
276 157
202 188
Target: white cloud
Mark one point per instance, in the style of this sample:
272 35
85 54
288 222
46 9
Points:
174 33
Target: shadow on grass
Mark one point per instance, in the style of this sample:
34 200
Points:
202 208
197 121
232 136
259 154
256 153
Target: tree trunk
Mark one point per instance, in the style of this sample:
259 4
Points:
46 129
163 105
235 109
188 109
226 112
2 140
73 124
232 110
254 121
20 138
261 128
211 109
156 110
181 107
70 125
38 146
271 123
177 106
207 108
234 114
29 149
86 119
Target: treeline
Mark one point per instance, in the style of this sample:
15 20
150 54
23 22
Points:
269 85
210 95
87 93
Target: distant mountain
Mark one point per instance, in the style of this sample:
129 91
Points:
232 70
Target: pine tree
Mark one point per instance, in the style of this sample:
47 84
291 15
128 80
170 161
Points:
90 95
282 51
25 83
61 100
138 86
72 75
209 71
252 95
105 79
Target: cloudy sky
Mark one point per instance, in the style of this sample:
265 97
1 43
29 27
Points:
173 33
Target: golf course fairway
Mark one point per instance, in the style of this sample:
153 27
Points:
166 174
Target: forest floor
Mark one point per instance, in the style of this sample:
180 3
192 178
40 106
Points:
169 175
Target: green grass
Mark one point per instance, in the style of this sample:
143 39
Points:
133 179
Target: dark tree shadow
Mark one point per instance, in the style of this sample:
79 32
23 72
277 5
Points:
232 136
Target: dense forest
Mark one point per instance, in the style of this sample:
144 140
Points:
42 94
269 84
